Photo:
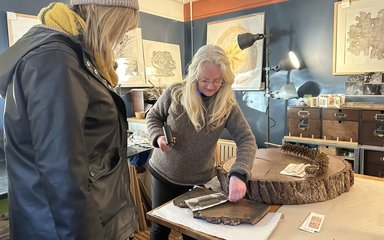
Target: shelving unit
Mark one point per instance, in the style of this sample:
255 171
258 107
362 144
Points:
342 149
372 160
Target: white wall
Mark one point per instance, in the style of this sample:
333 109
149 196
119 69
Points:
172 9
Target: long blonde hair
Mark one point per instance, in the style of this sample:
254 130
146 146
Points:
189 98
105 28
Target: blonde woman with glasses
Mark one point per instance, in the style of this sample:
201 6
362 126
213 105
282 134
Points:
65 125
197 111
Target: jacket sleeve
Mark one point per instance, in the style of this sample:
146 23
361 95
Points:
245 141
158 115
54 90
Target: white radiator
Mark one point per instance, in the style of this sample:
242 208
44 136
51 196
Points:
224 150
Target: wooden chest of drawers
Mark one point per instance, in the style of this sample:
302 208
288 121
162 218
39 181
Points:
372 127
340 124
304 122
374 163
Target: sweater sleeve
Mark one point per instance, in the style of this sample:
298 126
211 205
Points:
158 115
245 141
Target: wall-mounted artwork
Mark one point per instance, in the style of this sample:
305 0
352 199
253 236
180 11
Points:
162 62
369 84
130 60
18 25
358 37
247 64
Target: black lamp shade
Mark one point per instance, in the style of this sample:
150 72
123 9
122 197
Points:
245 40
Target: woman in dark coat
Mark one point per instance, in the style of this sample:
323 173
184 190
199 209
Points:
65 127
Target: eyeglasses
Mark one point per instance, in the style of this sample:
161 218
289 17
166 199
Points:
215 83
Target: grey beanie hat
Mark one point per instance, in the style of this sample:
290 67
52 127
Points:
118 3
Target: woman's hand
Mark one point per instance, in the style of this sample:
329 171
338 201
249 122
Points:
164 147
237 189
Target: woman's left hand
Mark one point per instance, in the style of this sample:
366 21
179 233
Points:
237 189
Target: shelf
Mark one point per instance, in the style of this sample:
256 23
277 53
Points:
316 141
333 148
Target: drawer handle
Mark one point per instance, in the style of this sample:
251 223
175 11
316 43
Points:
379 117
303 126
303 113
378 133
340 115
382 158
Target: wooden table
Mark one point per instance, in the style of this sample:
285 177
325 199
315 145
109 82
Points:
279 232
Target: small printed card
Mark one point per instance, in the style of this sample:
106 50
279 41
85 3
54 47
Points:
295 170
313 222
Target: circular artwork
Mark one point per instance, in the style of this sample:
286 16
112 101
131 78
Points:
242 61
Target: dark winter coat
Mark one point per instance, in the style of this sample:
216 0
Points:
65 144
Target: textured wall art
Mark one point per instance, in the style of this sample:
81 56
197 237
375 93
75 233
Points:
368 84
130 60
247 64
18 25
358 37
162 62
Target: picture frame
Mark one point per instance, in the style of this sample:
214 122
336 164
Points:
130 60
357 39
18 24
246 64
162 63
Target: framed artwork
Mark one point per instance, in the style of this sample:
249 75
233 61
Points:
130 60
358 39
162 63
369 84
247 64
18 25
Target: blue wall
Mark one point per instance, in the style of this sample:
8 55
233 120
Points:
304 26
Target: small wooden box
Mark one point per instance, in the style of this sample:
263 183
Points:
374 163
372 127
304 122
340 124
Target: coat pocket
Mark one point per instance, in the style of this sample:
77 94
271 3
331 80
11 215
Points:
104 165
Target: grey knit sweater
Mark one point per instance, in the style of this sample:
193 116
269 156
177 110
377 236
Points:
192 158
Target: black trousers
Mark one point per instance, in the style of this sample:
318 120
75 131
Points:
163 191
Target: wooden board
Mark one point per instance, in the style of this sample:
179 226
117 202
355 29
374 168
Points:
229 213
271 187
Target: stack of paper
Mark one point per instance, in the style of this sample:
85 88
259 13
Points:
296 170
313 222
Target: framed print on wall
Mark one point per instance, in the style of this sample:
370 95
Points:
162 62
18 25
130 60
247 64
358 37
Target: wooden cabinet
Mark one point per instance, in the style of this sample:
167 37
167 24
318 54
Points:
304 122
372 160
372 127
340 124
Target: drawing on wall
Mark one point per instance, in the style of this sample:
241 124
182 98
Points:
162 62
358 42
365 84
18 25
130 60
247 64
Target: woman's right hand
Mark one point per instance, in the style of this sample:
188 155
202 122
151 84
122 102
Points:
164 147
